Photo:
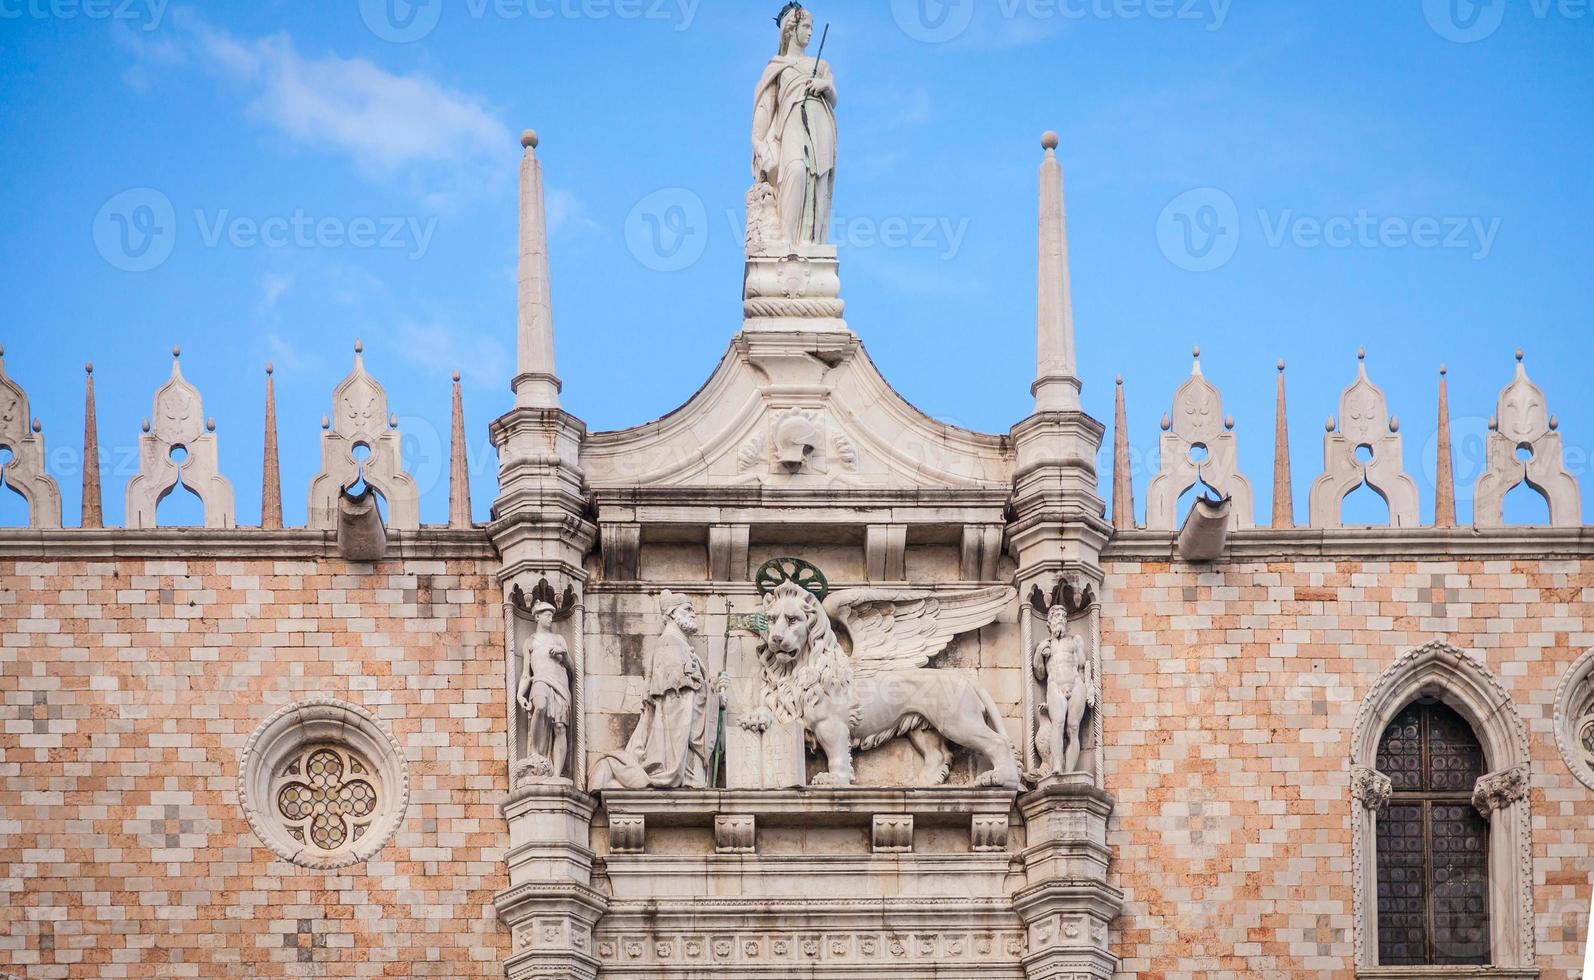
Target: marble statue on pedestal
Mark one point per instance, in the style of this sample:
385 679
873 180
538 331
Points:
544 692
883 690
678 727
794 139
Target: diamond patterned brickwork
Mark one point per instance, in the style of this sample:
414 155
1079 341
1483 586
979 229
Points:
128 689
1232 694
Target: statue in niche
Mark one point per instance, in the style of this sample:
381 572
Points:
794 140
883 690
543 690
1064 668
678 727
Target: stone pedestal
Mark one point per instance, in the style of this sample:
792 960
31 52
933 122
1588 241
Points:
797 291
1067 905
550 905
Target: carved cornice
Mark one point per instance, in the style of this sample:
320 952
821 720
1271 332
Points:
202 543
1302 544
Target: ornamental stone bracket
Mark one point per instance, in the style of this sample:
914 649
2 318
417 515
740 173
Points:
1371 788
25 472
1524 446
1198 446
178 447
361 426
1498 790
1363 447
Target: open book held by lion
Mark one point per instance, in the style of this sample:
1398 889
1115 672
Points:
884 689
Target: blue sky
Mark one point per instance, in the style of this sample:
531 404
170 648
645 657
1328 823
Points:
1444 146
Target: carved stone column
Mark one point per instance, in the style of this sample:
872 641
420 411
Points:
1067 906
550 907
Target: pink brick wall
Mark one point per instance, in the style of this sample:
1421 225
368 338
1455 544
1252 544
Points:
1231 700
128 688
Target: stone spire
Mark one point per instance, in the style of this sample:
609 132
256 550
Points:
1445 476
1283 488
93 511
1056 385
536 383
458 464
271 485
1123 488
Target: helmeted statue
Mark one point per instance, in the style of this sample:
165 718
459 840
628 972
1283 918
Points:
544 692
794 135
678 726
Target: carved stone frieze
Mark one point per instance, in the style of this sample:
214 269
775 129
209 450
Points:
361 443
178 446
1524 446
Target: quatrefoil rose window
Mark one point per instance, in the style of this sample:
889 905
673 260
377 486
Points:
1574 719
323 784
326 797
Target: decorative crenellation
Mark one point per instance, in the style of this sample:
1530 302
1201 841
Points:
179 447
360 424
23 436
1198 447
1525 447
1364 427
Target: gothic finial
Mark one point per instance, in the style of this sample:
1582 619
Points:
1394 423
176 351
1283 485
1330 424
529 139
270 369
359 346
88 367
458 466
1123 487
1228 422
37 426
1444 472
1361 353
210 424
1281 365
1520 354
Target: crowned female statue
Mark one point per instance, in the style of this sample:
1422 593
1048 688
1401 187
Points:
794 134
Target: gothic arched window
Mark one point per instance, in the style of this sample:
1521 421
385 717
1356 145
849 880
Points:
1432 844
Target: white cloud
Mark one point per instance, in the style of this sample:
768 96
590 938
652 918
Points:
482 361
567 214
396 126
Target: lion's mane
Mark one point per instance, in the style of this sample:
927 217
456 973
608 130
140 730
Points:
820 672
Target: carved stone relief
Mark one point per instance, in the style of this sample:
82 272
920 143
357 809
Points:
1364 446
1525 447
1371 788
798 442
1198 447
677 730
25 471
884 689
361 426
178 446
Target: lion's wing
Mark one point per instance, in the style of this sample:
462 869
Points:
902 629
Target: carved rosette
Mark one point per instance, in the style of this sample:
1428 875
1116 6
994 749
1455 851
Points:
1498 790
1371 788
